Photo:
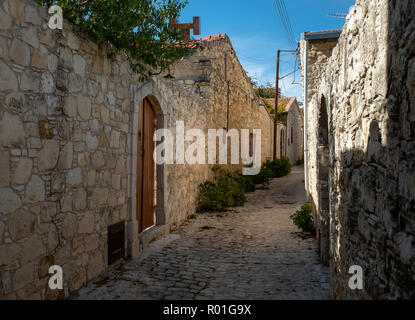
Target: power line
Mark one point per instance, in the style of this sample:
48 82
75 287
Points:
288 20
281 11
281 18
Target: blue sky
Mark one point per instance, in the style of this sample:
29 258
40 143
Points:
256 32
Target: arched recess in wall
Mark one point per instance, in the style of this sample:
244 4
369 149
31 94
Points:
323 223
147 196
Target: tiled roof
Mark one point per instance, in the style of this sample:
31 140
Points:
283 103
323 31
194 43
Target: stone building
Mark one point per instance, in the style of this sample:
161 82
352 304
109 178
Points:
290 134
359 89
76 148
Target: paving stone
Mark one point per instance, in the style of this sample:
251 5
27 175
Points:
250 253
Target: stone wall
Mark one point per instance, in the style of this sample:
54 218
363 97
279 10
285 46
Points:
246 110
295 136
68 152
361 141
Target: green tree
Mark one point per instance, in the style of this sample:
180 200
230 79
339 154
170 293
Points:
137 27
266 91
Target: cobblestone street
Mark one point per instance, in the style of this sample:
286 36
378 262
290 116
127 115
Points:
252 252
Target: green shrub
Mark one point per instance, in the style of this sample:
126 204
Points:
222 193
228 190
299 162
247 183
280 167
303 218
264 176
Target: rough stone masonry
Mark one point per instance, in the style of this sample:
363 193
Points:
68 150
361 141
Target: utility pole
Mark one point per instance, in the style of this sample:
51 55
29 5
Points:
276 99
276 104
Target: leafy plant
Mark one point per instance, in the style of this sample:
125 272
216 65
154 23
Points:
247 183
299 162
222 193
228 190
264 176
137 27
303 218
279 168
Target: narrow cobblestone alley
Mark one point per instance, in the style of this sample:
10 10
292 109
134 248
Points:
252 252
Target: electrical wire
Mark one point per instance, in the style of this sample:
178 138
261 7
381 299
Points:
281 11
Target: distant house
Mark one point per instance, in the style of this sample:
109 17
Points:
290 137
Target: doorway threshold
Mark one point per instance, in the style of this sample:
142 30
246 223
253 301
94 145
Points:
152 234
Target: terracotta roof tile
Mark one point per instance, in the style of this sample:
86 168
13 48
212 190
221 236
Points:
194 43
283 103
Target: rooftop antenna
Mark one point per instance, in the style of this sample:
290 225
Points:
337 15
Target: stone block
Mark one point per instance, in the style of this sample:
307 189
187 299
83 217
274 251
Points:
4 169
69 226
79 200
71 106
87 224
48 156
23 171
116 181
44 265
39 60
52 63
8 79
115 139
90 178
92 242
66 157
4 48
47 83
24 276
20 52
12 130
83 159
9 201
32 16
30 37
74 177
33 248
96 266
5 20
66 202
16 9
35 190
98 160
2 228
21 224
79 65
91 142
84 107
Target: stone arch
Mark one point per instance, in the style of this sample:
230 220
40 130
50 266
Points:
136 240
323 209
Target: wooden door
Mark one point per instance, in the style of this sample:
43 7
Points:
146 167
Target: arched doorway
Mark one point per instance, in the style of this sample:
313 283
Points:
147 181
323 223
146 171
